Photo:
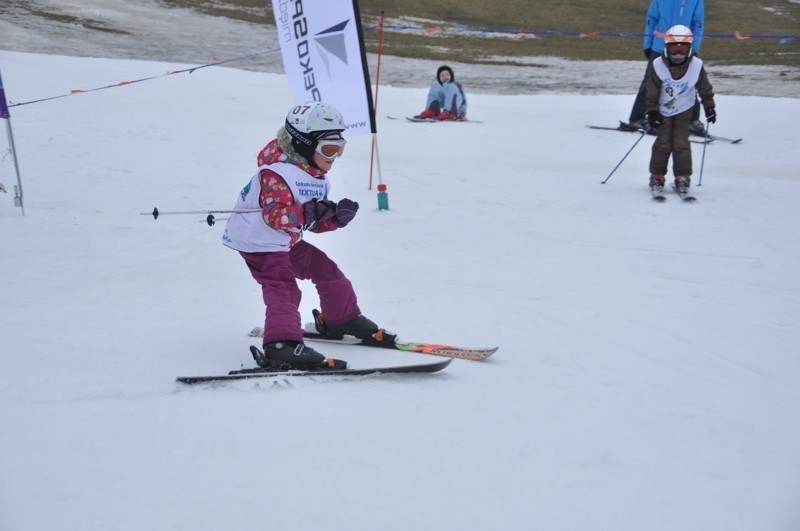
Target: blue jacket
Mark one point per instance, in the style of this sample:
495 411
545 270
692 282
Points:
663 14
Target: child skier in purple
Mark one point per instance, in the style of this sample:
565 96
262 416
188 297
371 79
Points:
291 188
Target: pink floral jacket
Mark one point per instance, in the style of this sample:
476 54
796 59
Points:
281 211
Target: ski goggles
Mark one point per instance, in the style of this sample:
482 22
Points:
678 48
331 148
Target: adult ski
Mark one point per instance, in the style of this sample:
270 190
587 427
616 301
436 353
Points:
723 139
700 140
658 194
268 372
705 139
432 349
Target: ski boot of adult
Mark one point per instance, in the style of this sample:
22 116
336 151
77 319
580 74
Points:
287 355
361 327
697 128
634 126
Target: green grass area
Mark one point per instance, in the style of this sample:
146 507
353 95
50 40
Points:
723 17
258 11
88 23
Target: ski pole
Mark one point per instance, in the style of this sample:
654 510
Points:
626 156
703 159
210 213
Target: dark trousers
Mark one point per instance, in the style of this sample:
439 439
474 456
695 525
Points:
639 109
672 137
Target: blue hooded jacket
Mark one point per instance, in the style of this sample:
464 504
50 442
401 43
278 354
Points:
663 14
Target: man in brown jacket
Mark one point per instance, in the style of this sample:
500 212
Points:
673 82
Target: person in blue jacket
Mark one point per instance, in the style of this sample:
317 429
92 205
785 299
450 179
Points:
446 98
662 15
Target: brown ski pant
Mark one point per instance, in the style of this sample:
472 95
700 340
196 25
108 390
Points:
672 136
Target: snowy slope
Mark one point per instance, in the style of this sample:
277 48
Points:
647 377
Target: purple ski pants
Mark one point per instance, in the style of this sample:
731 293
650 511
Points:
277 273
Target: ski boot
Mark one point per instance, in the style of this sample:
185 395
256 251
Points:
427 114
657 183
286 355
697 128
682 184
360 327
633 127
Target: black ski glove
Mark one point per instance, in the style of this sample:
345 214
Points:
711 115
654 119
647 53
318 210
345 212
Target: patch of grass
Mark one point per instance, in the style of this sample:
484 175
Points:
87 23
623 18
256 11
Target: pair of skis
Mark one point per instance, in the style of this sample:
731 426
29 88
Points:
658 194
701 139
433 120
447 351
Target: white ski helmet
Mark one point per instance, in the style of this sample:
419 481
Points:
308 121
679 34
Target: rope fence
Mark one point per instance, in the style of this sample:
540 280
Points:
459 29
516 34
215 62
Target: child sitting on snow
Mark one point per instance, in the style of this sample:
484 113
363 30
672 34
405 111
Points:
446 98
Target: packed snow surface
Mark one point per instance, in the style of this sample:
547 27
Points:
648 373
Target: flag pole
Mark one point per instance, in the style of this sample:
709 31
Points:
377 86
383 203
383 196
17 189
5 114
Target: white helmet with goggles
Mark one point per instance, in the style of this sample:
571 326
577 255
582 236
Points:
678 43
307 122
